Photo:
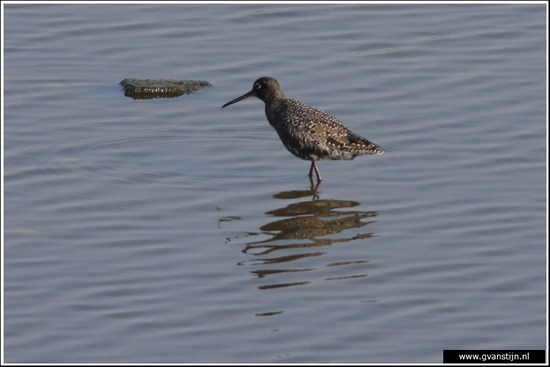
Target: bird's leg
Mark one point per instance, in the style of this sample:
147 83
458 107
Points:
314 188
313 165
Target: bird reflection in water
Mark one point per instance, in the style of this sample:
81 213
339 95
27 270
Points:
299 232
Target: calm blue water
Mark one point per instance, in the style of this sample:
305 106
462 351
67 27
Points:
170 230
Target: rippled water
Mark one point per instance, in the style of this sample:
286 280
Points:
170 230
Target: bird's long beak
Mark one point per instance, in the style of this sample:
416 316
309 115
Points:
244 96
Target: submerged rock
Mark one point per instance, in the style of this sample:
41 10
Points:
160 88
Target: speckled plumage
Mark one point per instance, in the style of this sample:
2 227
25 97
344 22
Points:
307 132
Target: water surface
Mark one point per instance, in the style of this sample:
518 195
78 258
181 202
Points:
170 230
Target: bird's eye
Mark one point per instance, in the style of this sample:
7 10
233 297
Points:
257 85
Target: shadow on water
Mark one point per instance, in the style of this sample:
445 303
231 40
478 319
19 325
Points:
300 235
